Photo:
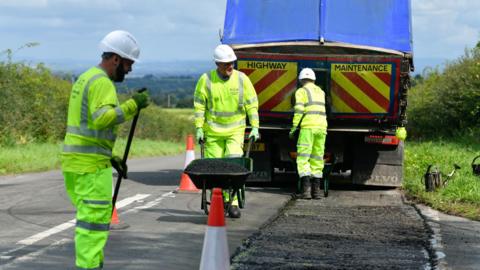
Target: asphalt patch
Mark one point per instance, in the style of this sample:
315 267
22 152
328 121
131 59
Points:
312 234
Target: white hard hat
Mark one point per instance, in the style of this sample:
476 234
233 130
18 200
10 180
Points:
307 73
122 43
224 54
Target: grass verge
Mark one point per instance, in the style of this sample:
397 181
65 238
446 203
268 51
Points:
45 156
461 196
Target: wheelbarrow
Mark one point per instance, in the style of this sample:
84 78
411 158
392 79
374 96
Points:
233 182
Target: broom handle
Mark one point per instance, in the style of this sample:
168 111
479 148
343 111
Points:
125 154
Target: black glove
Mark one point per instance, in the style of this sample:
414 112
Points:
142 99
120 166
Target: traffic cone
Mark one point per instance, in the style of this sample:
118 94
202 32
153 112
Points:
215 255
115 223
115 219
186 184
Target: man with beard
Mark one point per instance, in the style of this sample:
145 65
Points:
223 98
93 117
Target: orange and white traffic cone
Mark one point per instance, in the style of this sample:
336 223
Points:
115 223
186 184
115 219
215 255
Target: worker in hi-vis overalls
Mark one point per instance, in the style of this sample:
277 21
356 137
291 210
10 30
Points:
94 114
310 117
222 100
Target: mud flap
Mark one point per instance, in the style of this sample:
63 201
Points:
262 164
378 165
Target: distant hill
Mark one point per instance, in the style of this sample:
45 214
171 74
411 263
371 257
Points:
166 91
170 84
158 68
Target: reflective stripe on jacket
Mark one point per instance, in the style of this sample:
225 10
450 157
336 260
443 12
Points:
221 106
310 100
93 116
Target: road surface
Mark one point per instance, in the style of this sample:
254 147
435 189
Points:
352 229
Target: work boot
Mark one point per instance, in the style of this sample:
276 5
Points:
234 212
315 188
306 187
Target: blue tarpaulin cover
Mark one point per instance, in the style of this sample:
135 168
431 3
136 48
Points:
377 23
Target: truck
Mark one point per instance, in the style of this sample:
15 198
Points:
361 53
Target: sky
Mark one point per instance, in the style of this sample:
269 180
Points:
178 30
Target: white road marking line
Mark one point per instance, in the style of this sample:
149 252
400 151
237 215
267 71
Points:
64 226
130 200
39 236
170 194
33 255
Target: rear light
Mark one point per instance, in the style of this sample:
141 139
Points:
382 139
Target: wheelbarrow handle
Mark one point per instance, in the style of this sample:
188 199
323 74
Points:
249 146
125 154
473 161
202 148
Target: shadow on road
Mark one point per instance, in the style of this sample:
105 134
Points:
159 178
181 216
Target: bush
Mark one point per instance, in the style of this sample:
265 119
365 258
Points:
447 103
33 103
157 123
162 124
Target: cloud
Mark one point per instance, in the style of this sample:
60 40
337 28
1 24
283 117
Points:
443 29
166 30
189 30
23 3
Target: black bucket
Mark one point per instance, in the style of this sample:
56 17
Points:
475 167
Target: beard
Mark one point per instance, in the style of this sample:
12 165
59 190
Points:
229 71
119 73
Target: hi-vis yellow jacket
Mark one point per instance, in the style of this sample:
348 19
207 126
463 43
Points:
310 100
221 106
93 116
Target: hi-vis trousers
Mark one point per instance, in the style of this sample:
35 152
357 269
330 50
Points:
91 194
220 147
310 150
